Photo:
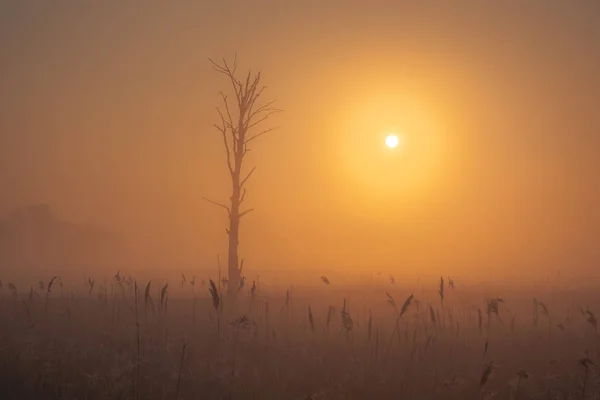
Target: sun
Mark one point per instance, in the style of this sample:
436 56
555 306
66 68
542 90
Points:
392 141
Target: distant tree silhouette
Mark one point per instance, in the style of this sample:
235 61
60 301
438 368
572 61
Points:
239 119
34 236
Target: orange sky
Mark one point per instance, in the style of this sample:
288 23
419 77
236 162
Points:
106 114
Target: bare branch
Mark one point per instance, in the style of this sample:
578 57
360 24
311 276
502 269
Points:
223 120
268 113
218 204
243 196
261 133
229 118
223 131
245 212
260 120
228 151
233 130
247 177
216 66
222 69
228 71
262 108
266 110
255 96
247 90
251 90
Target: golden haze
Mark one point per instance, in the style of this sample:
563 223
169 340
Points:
109 115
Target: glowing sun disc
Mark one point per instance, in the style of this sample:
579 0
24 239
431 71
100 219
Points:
392 141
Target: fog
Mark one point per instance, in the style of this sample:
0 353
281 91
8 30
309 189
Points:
107 113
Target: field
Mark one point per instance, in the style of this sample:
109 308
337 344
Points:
125 340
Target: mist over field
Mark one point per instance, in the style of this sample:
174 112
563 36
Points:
299 200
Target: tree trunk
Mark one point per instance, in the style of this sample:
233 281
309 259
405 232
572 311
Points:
234 234
233 269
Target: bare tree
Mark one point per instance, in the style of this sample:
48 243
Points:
240 118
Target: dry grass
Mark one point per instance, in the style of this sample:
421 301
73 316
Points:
82 346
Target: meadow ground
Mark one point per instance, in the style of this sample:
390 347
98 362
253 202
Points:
321 342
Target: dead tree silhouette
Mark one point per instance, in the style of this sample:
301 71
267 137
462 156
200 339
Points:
238 121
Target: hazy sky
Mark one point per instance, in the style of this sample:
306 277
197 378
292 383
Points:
107 108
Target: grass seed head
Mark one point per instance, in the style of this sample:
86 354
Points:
486 374
391 301
347 321
406 304
214 292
